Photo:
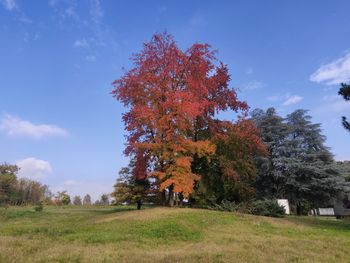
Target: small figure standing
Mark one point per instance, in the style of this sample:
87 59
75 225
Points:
139 203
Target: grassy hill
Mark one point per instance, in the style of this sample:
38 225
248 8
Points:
121 234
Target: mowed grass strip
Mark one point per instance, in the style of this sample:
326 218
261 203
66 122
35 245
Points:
122 234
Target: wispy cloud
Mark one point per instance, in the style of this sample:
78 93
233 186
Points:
81 43
14 126
249 71
294 99
9 4
334 103
273 98
65 12
90 58
33 168
70 182
334 72
96 10
253 85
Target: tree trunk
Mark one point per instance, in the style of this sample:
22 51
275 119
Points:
171 197
163 198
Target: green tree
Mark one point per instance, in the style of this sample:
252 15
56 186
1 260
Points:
87 200
31 192
77 200
271 179
63 198
8 183
104 200
230 173
344 91
299 166
128 188
312 178
344 169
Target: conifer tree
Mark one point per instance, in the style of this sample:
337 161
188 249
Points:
344 91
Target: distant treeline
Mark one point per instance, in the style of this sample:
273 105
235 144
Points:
20 191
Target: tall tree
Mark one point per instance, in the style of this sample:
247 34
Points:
31 192
8 183
104 200
87 200
230 173
311 175
344 91
62 198
130 189
299 166
271 179
77 200
171 95
344 169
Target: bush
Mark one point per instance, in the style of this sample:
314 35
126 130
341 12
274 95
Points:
39 207
231 207
267 207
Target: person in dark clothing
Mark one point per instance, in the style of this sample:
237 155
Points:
139 203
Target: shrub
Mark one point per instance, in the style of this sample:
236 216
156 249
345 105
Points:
39 207
231 207
267 207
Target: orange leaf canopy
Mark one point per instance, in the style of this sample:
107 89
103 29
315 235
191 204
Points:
170 94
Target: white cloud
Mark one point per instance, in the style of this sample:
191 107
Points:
81 43
9 4
334 103
14 126
249 71
253 85
273 98
90 58
52 3
69 182
70 12
33 168
292 100
96 10
332 97
334 72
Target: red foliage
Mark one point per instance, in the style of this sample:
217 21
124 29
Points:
168 92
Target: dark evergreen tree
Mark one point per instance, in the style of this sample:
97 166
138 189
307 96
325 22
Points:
271 175
299 167
312 179
344 91
131 189
344 169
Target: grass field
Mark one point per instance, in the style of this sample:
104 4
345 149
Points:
121 234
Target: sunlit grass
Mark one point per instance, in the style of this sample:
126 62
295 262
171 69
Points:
122 234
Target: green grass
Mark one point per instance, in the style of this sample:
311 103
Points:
122 234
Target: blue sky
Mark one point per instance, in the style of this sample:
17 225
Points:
58 59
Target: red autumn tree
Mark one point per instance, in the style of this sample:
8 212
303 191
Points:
172 96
